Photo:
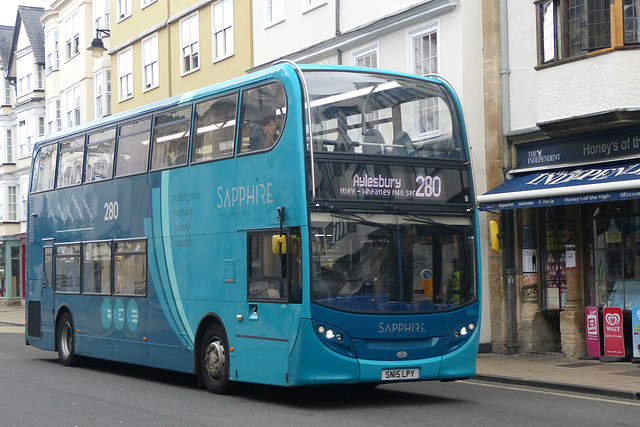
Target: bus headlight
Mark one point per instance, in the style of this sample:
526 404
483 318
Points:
334 338
460 335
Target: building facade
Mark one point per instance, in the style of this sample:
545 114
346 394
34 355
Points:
183 45
570 206
22 122
416 37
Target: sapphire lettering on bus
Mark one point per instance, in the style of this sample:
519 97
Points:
398 328
249 195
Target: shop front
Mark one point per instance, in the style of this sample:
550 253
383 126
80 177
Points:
11 274
575 203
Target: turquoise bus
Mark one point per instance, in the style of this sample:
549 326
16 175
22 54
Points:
301 225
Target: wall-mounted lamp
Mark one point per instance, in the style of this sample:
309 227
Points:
97 47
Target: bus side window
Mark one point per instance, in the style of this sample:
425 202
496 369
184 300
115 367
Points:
262 118
214 129
44 169
48 265
96 268
70 164
100 150
68 268
264 275
171 139
133 148
130 267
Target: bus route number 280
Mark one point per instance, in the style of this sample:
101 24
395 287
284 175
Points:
111 211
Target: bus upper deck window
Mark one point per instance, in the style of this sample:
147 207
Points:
70 164
171 139
262 118
44 170
133 148
100 150
214 128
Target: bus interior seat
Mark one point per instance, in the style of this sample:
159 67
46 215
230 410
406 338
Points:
402 144
373 142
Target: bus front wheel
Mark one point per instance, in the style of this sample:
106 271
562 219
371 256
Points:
66 340
214 360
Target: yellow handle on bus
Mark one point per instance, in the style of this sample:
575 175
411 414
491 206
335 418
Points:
494 233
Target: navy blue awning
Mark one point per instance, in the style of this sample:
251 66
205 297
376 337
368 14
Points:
620 181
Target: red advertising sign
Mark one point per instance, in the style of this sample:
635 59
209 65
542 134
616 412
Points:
613 332
592 332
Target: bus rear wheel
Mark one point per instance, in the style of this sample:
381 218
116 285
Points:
214 360
65 337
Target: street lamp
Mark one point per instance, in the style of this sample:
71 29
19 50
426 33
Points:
97 47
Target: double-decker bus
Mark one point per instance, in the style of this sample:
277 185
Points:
301 225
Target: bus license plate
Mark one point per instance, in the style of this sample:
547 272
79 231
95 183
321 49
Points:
400 374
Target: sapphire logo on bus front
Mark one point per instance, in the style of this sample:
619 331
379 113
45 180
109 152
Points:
401 354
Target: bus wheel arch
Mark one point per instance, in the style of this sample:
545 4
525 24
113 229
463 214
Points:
211 355
66 338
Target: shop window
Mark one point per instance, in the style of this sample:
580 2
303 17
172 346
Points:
553 266
613 270
272 276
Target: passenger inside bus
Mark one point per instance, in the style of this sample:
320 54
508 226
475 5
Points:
266 134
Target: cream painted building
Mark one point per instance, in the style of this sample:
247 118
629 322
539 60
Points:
162 48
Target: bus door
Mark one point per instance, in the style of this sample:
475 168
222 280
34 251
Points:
47 293
265 335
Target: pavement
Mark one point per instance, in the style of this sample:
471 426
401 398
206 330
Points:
548 371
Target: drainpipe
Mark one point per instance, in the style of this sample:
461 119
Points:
509 246
338 31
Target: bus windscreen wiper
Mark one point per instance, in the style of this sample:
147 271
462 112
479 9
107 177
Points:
342 214
418 218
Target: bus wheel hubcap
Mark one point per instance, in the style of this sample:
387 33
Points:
67 339
214 359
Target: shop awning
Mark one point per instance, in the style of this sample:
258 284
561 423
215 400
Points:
592 184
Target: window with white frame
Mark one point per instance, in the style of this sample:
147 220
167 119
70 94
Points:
101 16
189 41
222 29
24 73
366 57
9 146
40 126
150 76
274 12
24 193
424 50
52 113
307 5
12 203
7 92
72 36
102 80
124 9
423 43
72 102
52 51
26 136
125 75
146 3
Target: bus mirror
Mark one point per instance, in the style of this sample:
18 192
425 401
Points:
279 244
495 236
